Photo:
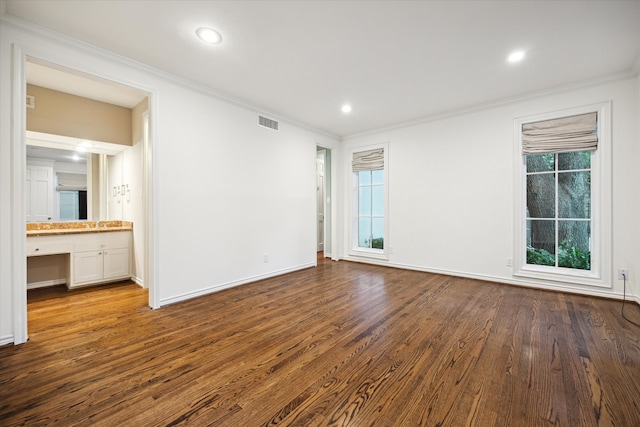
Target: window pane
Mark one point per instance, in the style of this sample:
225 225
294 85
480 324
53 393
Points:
377 241
67 213
364 232
364 178
377 204
69 206
574 195
541 195
574 250
377 177
540 162
541 242
574 160
364 201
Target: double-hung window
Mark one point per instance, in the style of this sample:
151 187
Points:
369 224
562 212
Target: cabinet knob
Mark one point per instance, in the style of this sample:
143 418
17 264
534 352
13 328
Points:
36 249
99 253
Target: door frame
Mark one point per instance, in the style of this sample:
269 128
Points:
321 154
18 176
330 248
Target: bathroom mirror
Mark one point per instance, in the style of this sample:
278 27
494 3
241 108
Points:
67 179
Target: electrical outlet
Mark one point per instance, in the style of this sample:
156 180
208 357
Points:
509 262
265 257
622 274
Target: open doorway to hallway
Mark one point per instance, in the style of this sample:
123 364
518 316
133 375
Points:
323 198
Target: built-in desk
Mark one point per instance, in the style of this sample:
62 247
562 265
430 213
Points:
79 256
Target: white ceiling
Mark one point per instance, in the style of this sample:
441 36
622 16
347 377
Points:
394 61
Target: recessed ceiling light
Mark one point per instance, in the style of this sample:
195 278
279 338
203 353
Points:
346 108
516 56
208 35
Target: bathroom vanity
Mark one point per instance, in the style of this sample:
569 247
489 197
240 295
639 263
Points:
80 253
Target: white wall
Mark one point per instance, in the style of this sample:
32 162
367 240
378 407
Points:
241 191
451 195
225 191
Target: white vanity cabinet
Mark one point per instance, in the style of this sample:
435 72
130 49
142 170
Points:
91 257
101 257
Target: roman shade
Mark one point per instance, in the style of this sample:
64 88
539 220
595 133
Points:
368 160
573 133
71 182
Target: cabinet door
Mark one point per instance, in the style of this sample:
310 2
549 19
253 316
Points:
89 266
116 263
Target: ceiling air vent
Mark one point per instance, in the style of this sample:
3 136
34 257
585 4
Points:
267 123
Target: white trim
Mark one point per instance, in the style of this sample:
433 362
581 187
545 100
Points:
26 26
46 283
601 174
8 339
18 179
62 142
152 207
544 285
625 75
18 147
138 281
227 285
352 230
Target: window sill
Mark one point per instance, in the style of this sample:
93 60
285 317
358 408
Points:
564 275
369 253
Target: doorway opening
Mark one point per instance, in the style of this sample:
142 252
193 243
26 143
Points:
323 201
116 158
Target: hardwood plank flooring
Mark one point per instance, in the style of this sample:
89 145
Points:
342 344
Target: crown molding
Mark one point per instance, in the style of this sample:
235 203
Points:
87 48
625 75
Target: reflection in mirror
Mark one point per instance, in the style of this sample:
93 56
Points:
57 184
67 178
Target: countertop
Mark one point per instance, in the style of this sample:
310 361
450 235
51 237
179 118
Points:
77 227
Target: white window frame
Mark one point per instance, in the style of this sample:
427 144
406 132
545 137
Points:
600 273
354 249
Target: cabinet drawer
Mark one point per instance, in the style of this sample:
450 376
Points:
100 242
47 246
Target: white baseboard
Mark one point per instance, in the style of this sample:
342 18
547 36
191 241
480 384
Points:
7 339
559 286
216 288
138 281
46 283
633 298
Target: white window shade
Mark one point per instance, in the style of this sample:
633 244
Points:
368 160
71 181
574 133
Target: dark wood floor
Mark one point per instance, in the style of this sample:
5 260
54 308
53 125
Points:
342 344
